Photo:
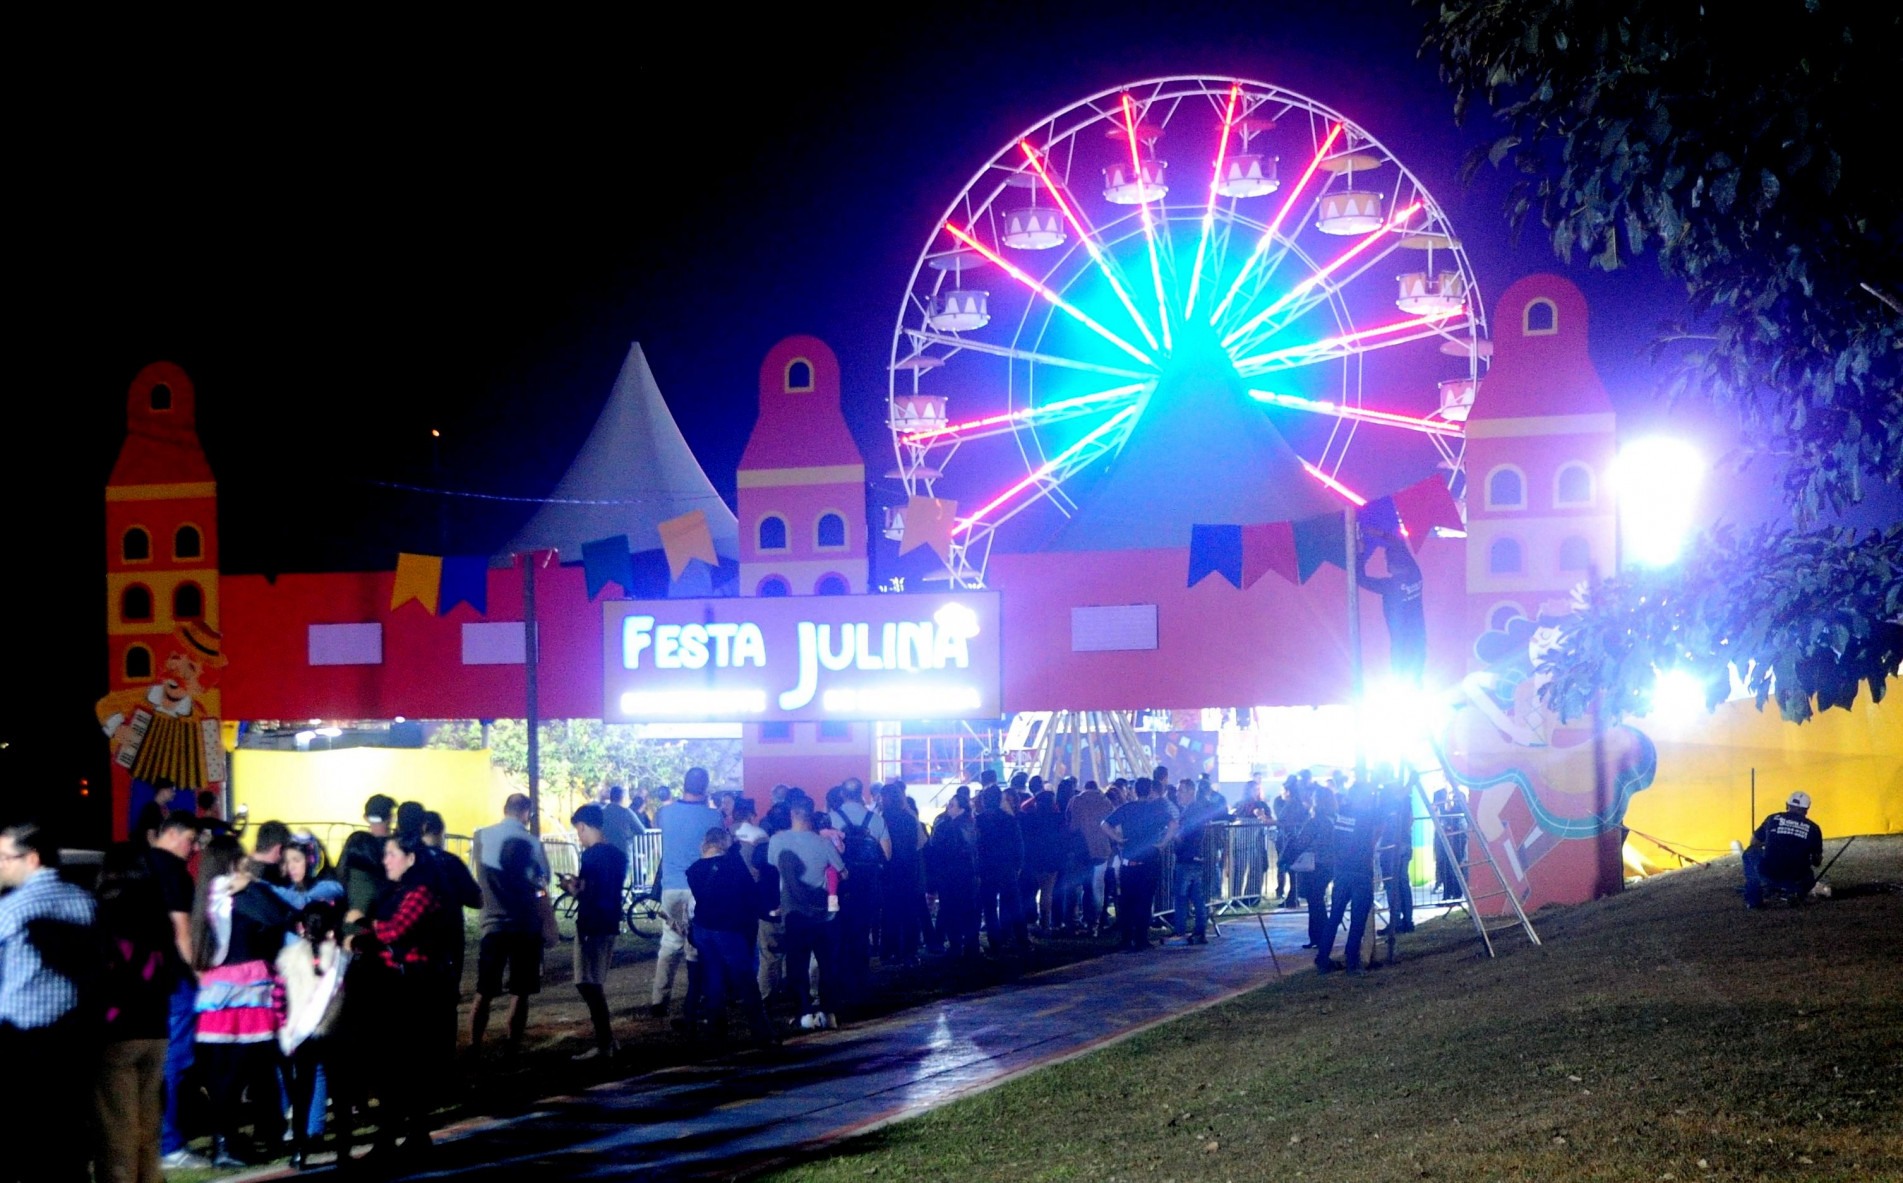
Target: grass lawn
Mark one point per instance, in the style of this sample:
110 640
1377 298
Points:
1665 1034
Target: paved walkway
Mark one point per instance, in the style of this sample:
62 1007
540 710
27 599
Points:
732 1116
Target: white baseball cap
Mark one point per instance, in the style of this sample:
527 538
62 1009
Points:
1798 800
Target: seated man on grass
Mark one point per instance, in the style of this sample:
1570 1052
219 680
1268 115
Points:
1784 850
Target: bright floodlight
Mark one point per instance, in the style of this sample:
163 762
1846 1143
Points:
1677 697
1657 482
1398 719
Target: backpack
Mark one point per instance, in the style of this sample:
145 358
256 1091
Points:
862 849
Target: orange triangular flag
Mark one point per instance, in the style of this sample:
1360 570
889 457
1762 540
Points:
929 521
685 539
419 578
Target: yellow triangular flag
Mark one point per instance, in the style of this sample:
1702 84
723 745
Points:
686 538
419 578
929 522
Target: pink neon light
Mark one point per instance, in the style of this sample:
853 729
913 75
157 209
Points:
1354 498
1088 239
1044 470
1077 313
1361 414
1149 229
1347 338
1209 210
1268 236
993 420
1340 261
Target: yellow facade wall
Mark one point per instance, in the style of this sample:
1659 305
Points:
326 790
1850 762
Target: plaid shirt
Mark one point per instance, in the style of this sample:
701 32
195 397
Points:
34 994
403 934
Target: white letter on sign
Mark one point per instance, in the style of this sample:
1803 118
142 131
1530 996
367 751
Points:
634 638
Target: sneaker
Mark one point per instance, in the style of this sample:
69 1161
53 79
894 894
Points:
597 1053
1199 939
184 1159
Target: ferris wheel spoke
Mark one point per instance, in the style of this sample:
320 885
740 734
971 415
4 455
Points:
1209 210
1105 437
1149 225
1439 428
1268 235
1013 421
1093 245
1320 275
1362 341
923 338
1074 312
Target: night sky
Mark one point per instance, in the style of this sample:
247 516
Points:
348 236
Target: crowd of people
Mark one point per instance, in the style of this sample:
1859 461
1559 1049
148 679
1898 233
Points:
260 996
266 996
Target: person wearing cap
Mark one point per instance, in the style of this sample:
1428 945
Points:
1784 850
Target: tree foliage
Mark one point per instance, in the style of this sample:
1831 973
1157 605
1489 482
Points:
1750 147
1808 619
579 756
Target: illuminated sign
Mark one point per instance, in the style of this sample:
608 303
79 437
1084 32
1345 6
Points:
802 657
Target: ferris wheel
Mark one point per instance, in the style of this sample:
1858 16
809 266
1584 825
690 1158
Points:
1077 272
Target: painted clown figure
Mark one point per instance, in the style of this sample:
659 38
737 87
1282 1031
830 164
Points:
1549 798
168 731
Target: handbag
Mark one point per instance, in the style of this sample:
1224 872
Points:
551 932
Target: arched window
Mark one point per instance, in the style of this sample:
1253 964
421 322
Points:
799 376
1503 557
188 543
773 585
1506 488
1573 485
188 602
136 546
830 533
135 603
832 584
161 397
1575 554
1541 318
772 532
138 666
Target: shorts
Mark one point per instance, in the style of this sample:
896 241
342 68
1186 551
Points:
593 954
520 951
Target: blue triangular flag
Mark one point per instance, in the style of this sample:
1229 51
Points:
696 581
1321 540
465 581
1215 550
605 561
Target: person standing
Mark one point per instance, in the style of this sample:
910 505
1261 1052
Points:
604 869
513 873
362 861
1140 828
1310 856
903 881
952 873
167 863
311 971
618 824
1291 813
728 907
138 954
803 859
1450 852
1087 811
999 847
865 840
683 824
47 1038
1189 888
1785 851
1357 833
1397 857
395 1047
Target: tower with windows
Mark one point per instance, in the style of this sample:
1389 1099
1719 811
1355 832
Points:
161 556
802 508
1540 445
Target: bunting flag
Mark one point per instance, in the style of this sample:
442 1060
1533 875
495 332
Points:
605 561
1269 546
929 521
1215 550
1379 515
1424 505
1320 540
465 581
685 539
419 578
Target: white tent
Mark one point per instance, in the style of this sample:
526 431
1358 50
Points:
634 471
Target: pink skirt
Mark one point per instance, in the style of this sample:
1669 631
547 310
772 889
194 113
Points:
238 1004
